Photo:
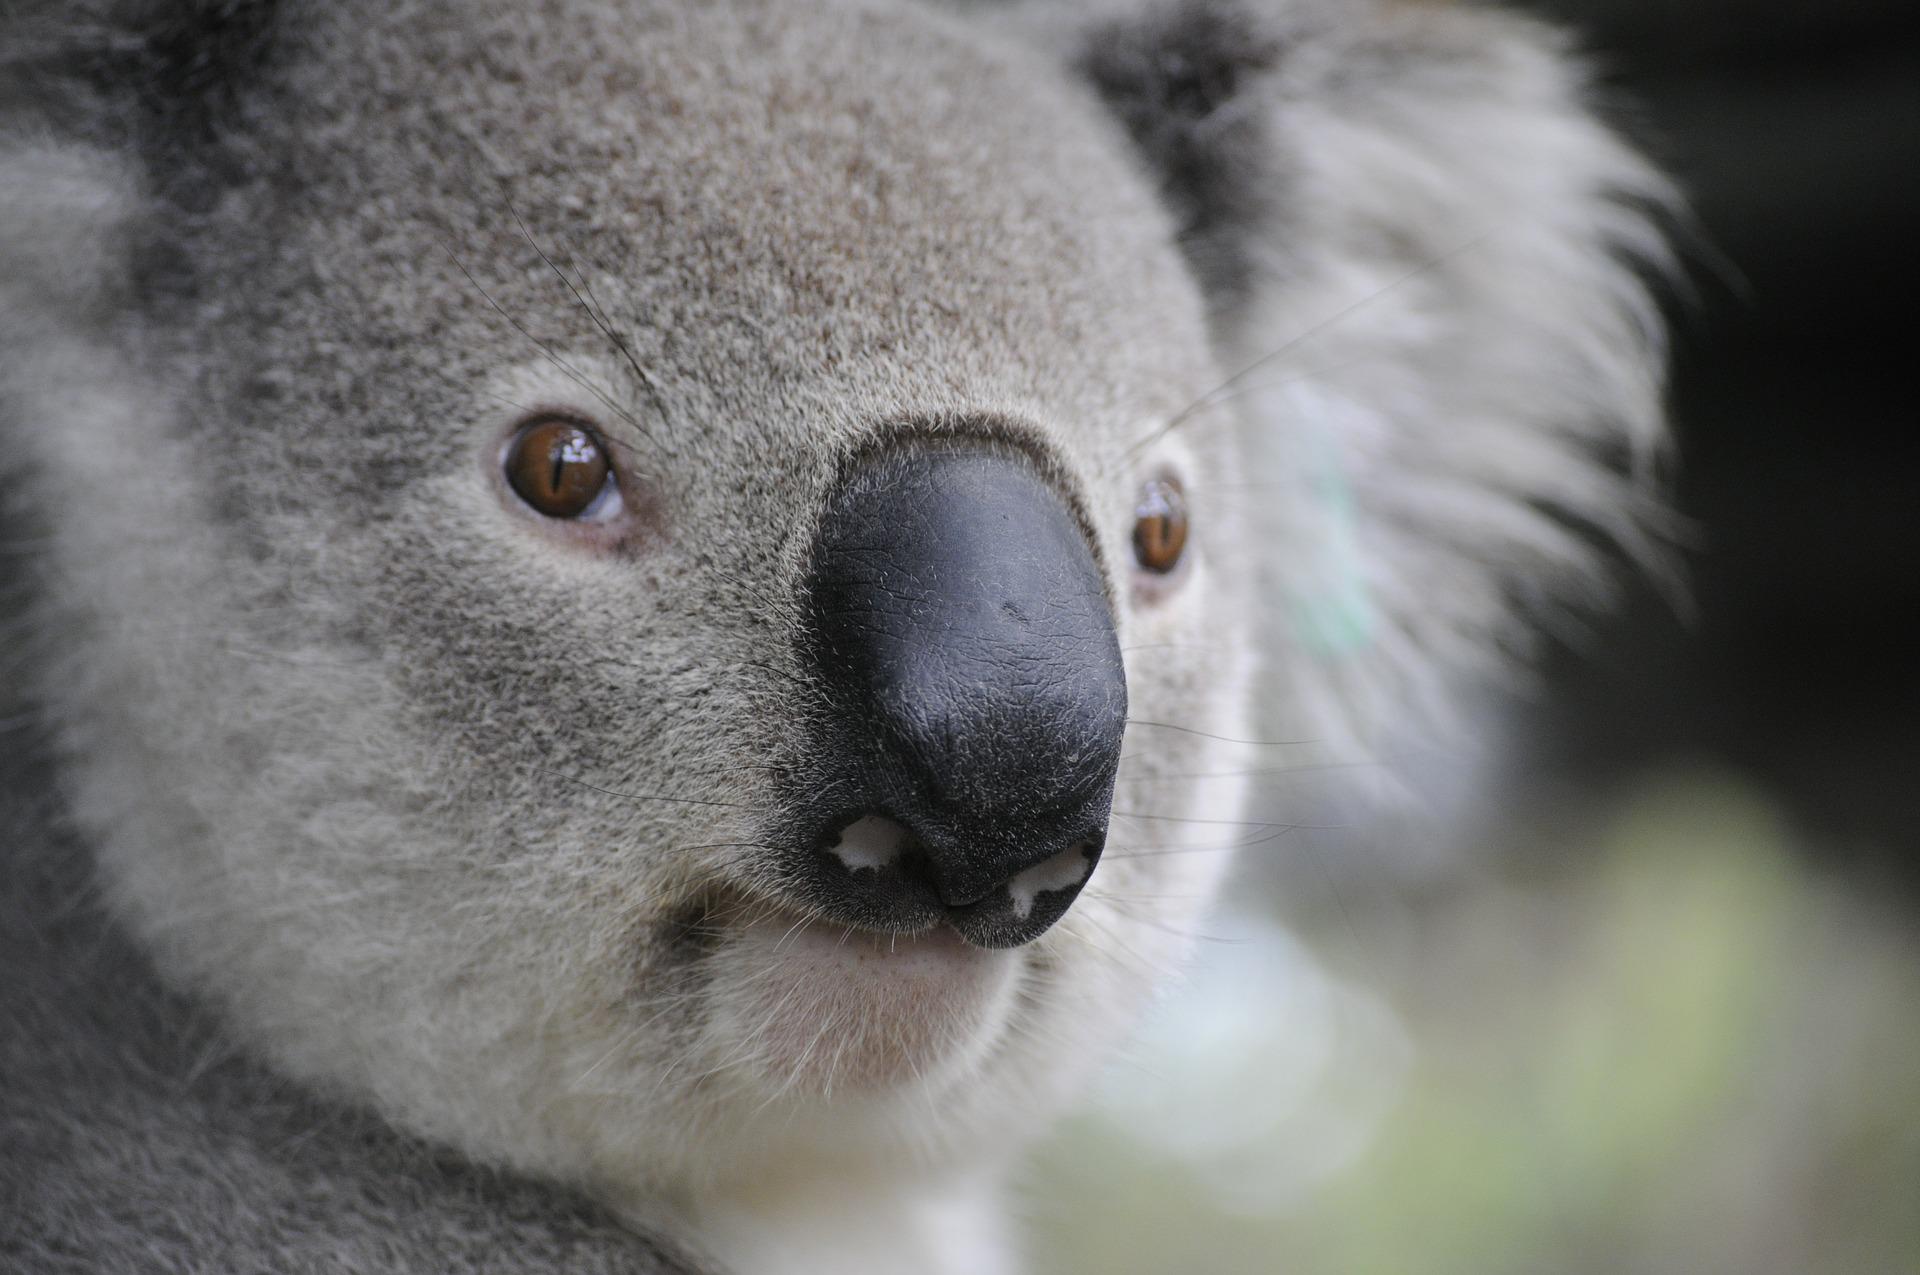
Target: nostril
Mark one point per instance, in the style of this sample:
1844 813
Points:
869 843
883 856
897 874
876 844
1025 904
1067 870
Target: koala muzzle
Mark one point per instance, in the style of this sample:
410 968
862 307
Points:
974 699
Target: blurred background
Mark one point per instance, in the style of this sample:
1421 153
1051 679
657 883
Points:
1660 1009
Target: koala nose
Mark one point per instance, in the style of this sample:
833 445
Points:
959 624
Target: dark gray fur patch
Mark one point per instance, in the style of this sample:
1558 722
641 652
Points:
181 69
1177 79
169 83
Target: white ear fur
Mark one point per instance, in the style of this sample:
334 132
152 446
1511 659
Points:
1450 367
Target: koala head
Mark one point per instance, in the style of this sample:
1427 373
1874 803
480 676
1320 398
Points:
671 594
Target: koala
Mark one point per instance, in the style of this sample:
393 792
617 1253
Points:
635 630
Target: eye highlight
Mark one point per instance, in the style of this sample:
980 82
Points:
1159 525
558 466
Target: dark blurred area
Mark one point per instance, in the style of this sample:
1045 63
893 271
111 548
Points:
1794 129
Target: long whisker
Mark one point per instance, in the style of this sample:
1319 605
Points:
600 320
1213 396
1217 823
1224 739
1273 833
573 373
1258 772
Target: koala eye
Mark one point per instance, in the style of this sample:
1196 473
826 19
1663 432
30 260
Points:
1159 525
559 467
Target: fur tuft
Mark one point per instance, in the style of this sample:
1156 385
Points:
1178 80
1462 382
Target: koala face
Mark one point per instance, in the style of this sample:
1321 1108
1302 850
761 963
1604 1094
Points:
669 594
654 581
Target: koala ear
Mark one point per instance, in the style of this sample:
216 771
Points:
1427 264
1187 81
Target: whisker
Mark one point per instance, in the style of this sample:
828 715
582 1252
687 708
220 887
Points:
1129 911
599 320
1176 646
573 373
1213 396
1221 823
1224 739
1257 772
1152 851
1226 392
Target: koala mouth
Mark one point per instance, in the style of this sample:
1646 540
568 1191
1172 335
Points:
812 1005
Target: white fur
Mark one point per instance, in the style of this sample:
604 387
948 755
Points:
1471 359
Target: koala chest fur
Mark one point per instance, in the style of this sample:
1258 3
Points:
624 600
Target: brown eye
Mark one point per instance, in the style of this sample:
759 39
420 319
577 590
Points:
1160 525
557 466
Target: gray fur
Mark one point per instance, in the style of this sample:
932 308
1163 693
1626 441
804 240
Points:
446 833
139 1142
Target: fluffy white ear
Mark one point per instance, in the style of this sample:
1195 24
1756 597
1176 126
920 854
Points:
1428 259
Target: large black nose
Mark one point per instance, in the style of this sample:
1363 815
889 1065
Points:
959 624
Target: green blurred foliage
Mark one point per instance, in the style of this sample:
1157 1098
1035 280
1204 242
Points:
1684 1053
